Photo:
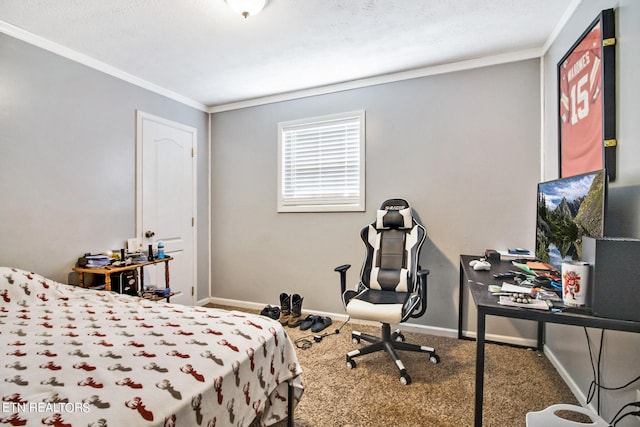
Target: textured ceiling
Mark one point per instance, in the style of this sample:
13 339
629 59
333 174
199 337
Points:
203 51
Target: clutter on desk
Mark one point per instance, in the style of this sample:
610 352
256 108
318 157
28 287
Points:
531 303
539 266
93 261
494 288
525 295
138 258
532 284
480 264
491 255
518 253
518 276
130 258
509 287
101 260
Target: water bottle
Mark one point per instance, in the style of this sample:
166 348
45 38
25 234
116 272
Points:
160 250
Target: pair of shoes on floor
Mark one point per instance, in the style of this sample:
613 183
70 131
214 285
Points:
316 323
290 310
271 312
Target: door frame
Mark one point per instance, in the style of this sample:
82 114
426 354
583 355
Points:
140 117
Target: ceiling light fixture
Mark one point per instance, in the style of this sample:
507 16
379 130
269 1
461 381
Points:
247 7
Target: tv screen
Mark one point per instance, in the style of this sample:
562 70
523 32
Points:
568 209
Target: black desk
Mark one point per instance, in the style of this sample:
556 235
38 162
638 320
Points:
487 305
468 274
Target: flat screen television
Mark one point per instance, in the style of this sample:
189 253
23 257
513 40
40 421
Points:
568 209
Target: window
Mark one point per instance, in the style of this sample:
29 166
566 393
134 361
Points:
321 164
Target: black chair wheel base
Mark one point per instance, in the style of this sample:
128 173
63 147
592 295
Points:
351 363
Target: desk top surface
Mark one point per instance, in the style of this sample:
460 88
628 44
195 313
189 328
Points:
113 269
487 303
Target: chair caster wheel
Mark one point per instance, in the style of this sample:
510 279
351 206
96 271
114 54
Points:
405 379
355 340
350 363
434 358
397 336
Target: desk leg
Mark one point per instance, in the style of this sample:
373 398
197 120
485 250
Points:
479 367
540 336
166 276
107 282
460 301
81 279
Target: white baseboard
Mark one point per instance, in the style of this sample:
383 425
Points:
408 327
429 330
236 303
519 341
203 302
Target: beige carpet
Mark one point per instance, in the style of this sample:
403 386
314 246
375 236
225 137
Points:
516 381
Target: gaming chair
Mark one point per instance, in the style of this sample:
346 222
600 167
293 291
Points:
392 286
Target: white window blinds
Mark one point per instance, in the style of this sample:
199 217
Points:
322 164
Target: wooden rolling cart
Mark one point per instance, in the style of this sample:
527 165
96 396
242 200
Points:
109 270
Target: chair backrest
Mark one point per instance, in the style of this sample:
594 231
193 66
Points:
393 243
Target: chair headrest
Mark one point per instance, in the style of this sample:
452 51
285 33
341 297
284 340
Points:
394 213
394 205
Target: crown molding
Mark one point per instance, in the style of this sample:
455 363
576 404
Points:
81 58
386 78
41 42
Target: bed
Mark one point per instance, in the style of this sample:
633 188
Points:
71 356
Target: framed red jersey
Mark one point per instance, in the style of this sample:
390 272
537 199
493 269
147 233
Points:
586 101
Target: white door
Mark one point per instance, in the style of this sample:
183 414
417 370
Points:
166 200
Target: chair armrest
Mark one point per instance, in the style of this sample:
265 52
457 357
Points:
342 269
422 291
423 272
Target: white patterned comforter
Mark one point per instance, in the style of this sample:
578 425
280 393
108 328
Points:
76 357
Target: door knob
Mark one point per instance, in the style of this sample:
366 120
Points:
149 234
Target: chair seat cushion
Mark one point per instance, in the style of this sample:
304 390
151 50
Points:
380 306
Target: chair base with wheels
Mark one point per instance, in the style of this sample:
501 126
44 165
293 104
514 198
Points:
389 342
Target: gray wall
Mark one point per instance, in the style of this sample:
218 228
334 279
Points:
463 148
568 344
67 160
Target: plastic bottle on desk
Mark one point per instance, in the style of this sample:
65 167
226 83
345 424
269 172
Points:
160 250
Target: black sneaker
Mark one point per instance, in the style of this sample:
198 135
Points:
271 312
